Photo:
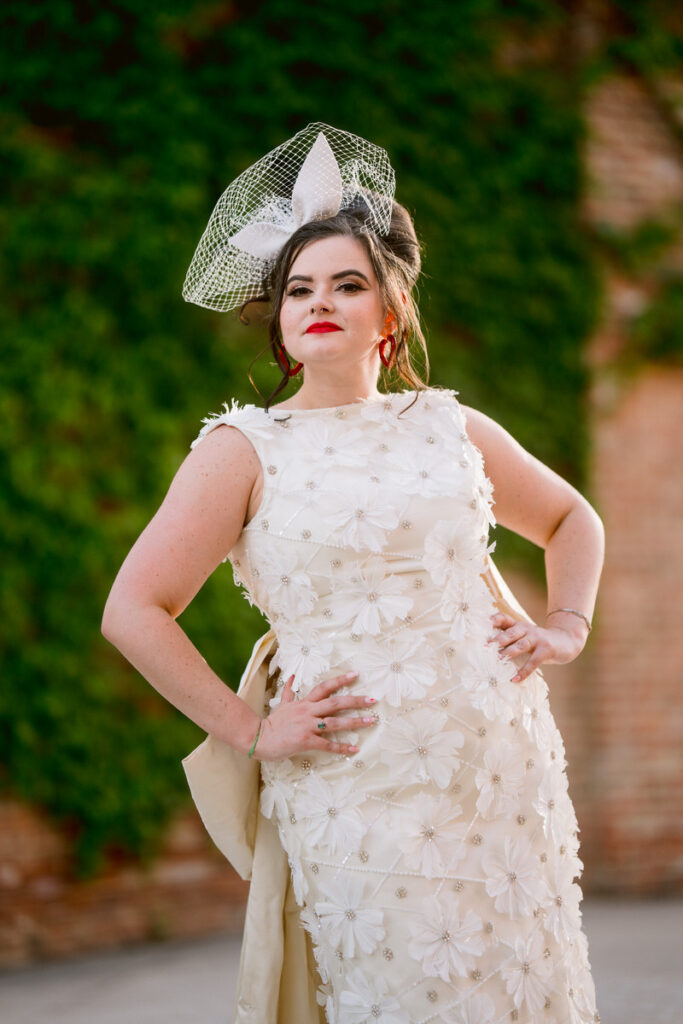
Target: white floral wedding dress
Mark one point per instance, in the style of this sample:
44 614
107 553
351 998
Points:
434 869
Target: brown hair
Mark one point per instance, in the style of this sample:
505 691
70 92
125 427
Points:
396 260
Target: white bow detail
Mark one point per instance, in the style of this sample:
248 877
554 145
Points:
317 195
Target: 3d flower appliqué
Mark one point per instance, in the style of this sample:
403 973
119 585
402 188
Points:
432 841
368 597
500 781
562 904
419 747
399 669
450 550
488 681
362 516
329 815
444 941
424 470
306 654
367 999
465 604
346 921
528 973
332 442
289 588
513 879
554 806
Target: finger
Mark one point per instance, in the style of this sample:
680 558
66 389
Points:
334 747
521 646
287 691
529 666
354 722
324 689
331 705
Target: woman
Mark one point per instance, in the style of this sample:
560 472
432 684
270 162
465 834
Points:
411 766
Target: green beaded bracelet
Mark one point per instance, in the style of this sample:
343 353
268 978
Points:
253 746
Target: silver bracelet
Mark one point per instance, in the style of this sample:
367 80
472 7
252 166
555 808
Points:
573 612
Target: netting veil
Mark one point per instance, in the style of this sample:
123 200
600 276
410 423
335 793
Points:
315 174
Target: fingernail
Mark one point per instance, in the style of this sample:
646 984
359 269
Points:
370 721
354 749
516 678
370 700
351 675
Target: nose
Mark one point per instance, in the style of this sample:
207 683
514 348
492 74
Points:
322 304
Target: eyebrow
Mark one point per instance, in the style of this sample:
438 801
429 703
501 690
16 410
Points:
335 277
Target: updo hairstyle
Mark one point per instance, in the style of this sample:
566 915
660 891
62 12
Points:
395 258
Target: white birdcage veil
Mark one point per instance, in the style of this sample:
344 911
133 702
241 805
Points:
315 174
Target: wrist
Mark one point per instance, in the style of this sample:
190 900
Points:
248 734
569 623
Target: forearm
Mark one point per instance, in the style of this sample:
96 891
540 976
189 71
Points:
153 642
574 558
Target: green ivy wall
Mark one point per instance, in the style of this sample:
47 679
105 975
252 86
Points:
120 125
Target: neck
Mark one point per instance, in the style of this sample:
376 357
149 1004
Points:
322 391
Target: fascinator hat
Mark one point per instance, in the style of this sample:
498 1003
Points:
313 176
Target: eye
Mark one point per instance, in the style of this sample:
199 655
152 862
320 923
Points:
351 286
297 290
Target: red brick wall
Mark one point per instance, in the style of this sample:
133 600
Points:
189 890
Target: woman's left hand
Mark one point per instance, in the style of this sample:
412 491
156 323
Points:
553 646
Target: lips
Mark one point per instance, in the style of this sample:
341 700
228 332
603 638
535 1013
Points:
322 328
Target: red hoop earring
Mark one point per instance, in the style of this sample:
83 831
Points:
283 360
391 341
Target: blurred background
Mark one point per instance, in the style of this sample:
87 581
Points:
539 146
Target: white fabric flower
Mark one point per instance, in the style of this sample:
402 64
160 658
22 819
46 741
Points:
500 781
278 781
399 669
367 999
289 588
328 814
249 416
512 877
567 854
536 719
554 806
487 680
425 471
581 987
419 750
445 943
367 596
432 842
451 548
562 904
467 605
305 653
527 974
333 443
345 921
483 494
362 516
478 1009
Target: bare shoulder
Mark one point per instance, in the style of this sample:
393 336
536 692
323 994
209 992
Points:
530 497
485 433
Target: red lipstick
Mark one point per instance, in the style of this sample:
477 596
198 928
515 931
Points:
322 328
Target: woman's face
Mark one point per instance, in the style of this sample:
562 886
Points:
331 283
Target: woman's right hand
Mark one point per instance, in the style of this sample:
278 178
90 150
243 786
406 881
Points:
293 727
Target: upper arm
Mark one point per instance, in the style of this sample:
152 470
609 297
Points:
193 530
530 498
